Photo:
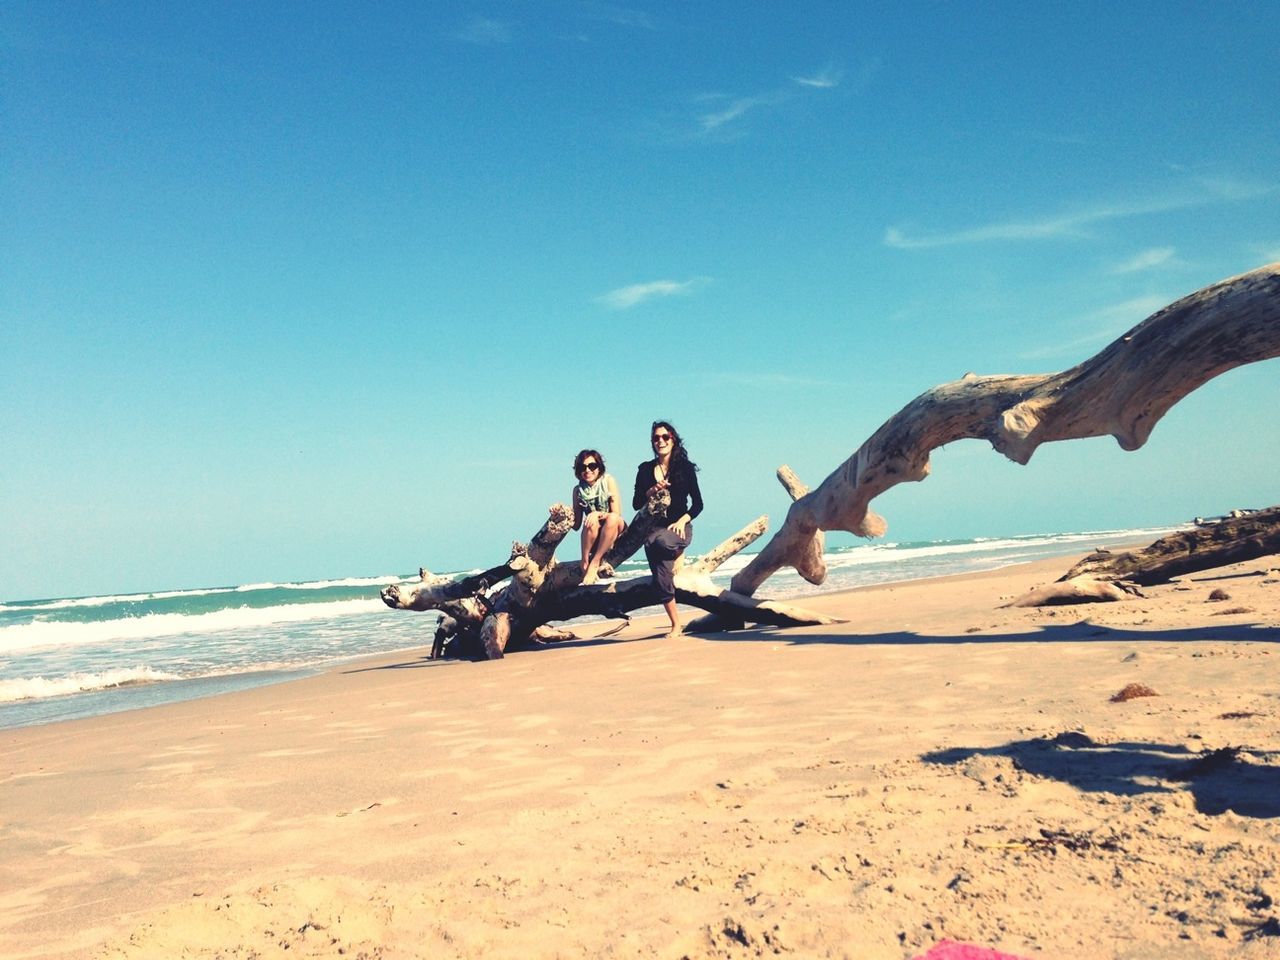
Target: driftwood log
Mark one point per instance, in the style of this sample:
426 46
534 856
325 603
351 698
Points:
1105 575
1230 540
1075 590
481 620
1123 391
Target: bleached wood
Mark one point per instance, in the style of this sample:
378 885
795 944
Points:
795 487
512 607
1075 590
431 591
1227 541
495 634
714 558
1123 391
693 589
546 634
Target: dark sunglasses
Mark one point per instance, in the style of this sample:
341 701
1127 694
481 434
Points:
661 436
591 465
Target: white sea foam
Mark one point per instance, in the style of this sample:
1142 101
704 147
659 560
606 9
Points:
39 688
29 636
348 581
325 584
893 552
202 592
114 598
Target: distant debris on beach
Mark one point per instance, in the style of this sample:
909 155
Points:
1233 515
1133 691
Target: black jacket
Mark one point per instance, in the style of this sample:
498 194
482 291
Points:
685 495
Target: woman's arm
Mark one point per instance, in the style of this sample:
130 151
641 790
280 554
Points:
695 494
615 498
641 496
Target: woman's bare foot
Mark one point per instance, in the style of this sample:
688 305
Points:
591 576
675 633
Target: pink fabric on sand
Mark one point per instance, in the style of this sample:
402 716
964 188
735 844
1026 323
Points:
950 950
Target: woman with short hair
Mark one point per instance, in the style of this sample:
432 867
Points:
597 510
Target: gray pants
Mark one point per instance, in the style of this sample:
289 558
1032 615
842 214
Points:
662 547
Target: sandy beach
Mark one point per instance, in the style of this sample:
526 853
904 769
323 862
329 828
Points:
936 768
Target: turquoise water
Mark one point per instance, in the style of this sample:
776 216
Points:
63 658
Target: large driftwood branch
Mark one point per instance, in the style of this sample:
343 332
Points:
1122 391
692 588
485 623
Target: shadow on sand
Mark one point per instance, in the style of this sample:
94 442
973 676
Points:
1049 633
1231 778
426 661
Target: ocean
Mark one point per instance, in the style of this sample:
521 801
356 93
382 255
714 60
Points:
73 657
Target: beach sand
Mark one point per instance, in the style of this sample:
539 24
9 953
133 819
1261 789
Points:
936 768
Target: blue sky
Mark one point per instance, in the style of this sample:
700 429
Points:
313 290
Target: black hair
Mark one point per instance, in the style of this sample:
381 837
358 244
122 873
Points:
582 455
679 454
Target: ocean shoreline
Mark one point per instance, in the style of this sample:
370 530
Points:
56 690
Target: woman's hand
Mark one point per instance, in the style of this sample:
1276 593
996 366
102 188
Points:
678 527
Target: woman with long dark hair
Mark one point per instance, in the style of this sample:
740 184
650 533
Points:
672 471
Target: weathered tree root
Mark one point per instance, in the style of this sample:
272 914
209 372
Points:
1123 391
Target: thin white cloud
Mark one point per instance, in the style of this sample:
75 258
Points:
824 80
735 108
624 298
1076 224
1066 225
1107 323
485 32
1146 260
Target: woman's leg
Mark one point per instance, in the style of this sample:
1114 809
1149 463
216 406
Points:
662 549
590 530
676 629
610 527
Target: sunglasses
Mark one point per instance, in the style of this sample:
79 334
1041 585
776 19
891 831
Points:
590 465
661 437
